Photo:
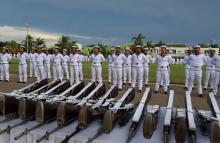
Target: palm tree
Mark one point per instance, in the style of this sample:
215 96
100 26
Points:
39 42
160 43
138 40
64 42
30 42
12 46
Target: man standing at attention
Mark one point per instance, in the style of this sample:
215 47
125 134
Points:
40 58
74 59
65 64
186 68
57 58
23 58
127 66
110 66
32 63
96 70
5 58
216 61
146 66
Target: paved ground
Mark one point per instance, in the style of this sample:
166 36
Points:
160 98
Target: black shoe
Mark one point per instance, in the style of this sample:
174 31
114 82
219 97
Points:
120 89
193 88
109 82
129 84
200 95
146 85
0 80
204 88
165 92
24 82
155 91
124 83
19 82
29 77
161 86
186 88
6 80
139 91
168 86
211 90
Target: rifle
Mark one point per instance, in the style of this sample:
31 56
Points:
190 118
138 115
113 114
168 117
75 87
91 111
97 92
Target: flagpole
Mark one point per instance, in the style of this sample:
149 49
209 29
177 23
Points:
27 28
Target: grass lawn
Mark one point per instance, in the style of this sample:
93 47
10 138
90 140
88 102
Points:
177 71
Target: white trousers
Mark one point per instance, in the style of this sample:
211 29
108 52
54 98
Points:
186 77
195 74
33 69
146 72
209 74
217 78
80 73
137 74
4 71
110 72
40 72
117 77
22 71
74 74
57 72
162 75
66 71
1 72
96 73
127 74
47 71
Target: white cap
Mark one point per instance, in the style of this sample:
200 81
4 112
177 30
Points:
74 46
145 48
163 46
21 46
79 46
118 46
5 48
96 47
65 50
196 46
138 46
56 47
41 46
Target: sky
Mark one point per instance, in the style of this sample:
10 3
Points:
112 22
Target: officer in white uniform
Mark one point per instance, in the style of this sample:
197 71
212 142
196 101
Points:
48 58
162 61
57 58
23 58
117 60
210 70
40 58
5 58
127 66
146 66
185 62
96 70
110 66
138 59
1 71
196 61
82 58
32 63
216 61
65 64
74 59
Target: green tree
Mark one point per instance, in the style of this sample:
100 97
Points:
39 42
213 45
139 39
30 40
12 46
160 43
65 42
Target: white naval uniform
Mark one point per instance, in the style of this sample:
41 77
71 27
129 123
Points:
146 68
209 73
117 61
216 61
23 58
162 72
65 66
82 58
127 68
40 58
137 69
74 68
4 59
196 62
110 68
1 70
96 68
32 63
187 69
47 60
57 68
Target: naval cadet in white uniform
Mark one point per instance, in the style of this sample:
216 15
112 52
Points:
57 58
146 66
22 66
196 61
96 69
5 57
65 64
127 66
74 59
32 63
110 66
210 70
185 62
40 58
138 59
117 60
48 59
162 61
216 61
82 58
